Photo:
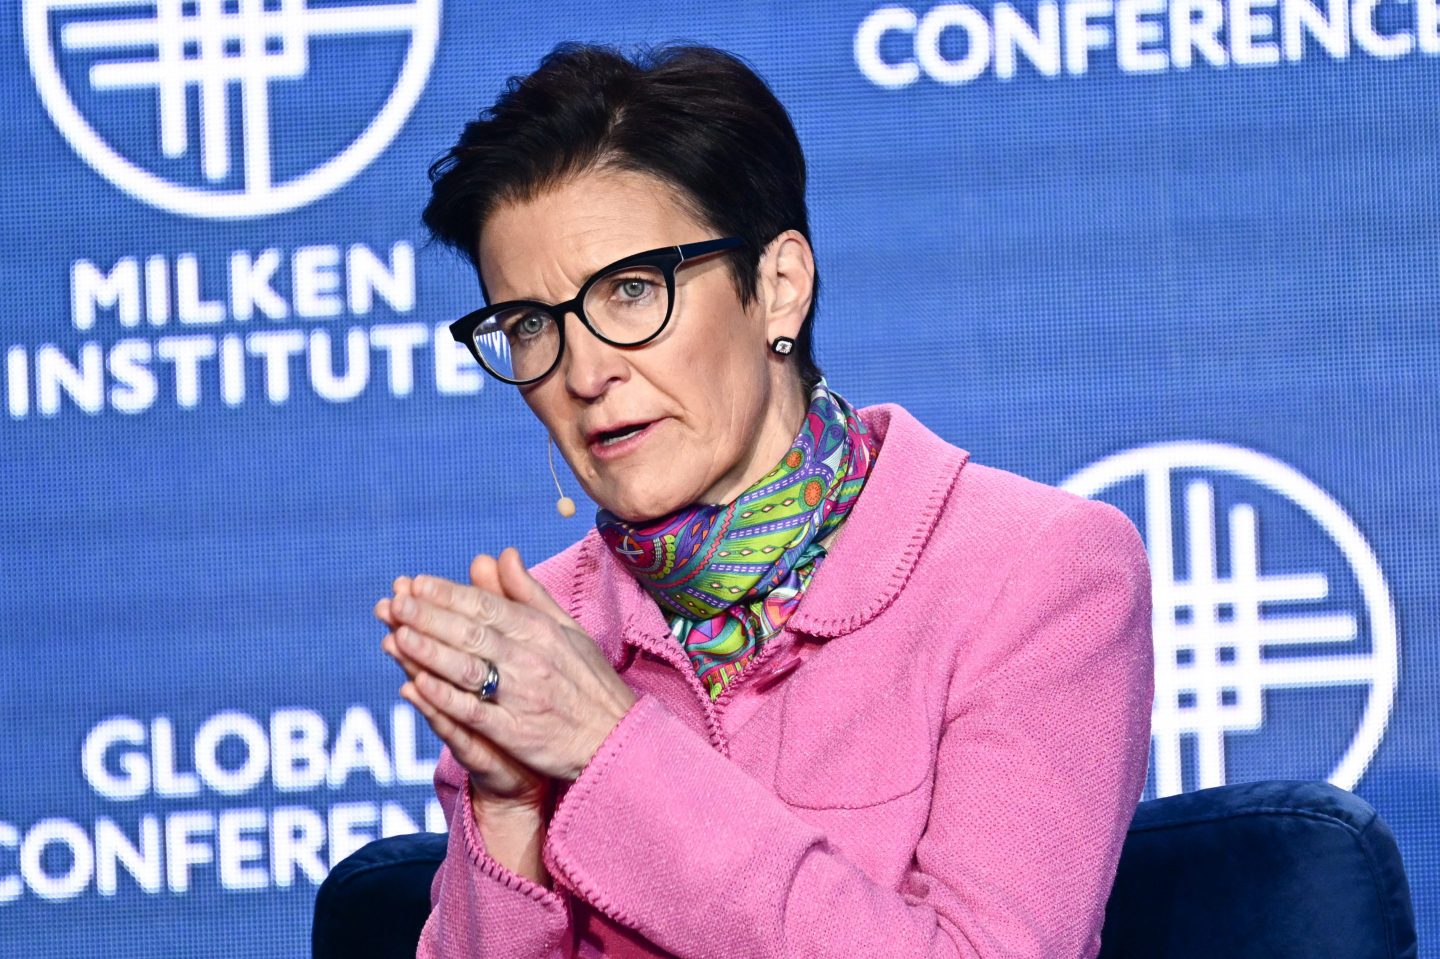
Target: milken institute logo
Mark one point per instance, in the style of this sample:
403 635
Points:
1319 621
213 66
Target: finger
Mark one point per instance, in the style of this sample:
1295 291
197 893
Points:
469 633
383 611
472 751
392 648
526 589
444 727
461 669
484 574
468 601
464 708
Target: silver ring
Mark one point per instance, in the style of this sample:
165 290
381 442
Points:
486 692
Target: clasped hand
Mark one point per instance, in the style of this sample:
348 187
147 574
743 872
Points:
558 697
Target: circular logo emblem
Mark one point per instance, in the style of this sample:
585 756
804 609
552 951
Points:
1276 650
219 86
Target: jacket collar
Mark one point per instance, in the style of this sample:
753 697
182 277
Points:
868 564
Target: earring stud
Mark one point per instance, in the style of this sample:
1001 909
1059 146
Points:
782 345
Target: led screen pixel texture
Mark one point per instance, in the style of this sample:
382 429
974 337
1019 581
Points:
1187 266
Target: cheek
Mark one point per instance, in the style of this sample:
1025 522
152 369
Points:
546 407
711 387
718 349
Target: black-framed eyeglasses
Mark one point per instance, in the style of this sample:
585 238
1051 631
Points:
626 303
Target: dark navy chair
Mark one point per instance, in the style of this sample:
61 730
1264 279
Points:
1269 870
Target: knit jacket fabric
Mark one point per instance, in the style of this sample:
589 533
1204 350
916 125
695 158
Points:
938 755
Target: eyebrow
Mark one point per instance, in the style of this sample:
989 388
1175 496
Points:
590 275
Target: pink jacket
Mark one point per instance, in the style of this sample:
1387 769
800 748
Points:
938 756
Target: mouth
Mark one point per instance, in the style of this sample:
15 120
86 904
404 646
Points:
618 439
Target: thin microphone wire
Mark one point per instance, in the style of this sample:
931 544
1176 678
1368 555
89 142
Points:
550 458
565 506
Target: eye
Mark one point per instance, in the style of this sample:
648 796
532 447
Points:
527 326
633 289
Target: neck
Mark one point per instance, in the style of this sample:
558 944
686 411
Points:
767 534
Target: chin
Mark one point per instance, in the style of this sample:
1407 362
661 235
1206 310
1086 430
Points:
637 507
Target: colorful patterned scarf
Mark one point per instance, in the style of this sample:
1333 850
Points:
730 575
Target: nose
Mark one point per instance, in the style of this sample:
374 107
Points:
589 365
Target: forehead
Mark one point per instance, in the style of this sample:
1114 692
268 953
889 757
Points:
545 246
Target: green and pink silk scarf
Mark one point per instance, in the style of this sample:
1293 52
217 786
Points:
728 576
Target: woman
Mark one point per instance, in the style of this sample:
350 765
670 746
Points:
816 685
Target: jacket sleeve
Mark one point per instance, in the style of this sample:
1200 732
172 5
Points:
479 908
1040 763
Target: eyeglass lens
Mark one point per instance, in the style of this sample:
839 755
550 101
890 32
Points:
625 306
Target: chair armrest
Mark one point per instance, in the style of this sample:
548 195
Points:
1269 870
375 902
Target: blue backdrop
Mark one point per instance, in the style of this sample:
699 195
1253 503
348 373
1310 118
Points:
1179 254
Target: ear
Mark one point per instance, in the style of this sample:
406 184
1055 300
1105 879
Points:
787 282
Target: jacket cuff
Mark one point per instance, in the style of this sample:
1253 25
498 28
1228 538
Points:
482 908
620 812
474 846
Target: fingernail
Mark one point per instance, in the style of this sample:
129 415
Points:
405 606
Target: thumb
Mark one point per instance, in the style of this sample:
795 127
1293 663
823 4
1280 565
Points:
526 590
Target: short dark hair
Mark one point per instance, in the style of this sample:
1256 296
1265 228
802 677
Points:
692 116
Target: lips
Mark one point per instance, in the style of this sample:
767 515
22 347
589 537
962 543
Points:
612 431
615 439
